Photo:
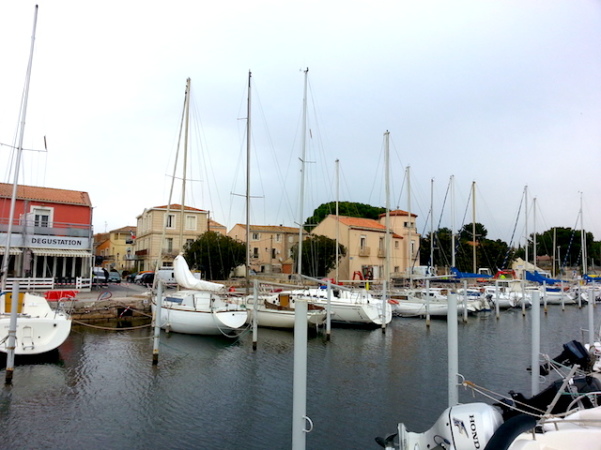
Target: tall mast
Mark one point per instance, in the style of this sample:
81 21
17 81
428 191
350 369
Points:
302 180
583 240
185 163
13 199
431 225
387 221
409 254
452 180
526 225
474 225
534 232
248 140
337 216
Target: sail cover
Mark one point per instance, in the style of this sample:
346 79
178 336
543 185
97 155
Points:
187 280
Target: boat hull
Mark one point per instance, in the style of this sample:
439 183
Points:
210 323
39 328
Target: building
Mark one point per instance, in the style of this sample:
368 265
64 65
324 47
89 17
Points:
365 244
164 231
51 234
270 246
115 250
217 227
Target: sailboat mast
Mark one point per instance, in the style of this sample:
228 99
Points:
302 180
526 226
387 220
337 217
13 199
431 224
409 254
583 240
248 140
452 180
474 225
185 165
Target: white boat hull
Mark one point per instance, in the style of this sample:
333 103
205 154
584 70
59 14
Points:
200 312
351 308
283 319
39 328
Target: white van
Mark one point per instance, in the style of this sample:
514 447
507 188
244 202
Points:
165 274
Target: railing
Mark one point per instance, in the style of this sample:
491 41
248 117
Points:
57 229
364 251
381 253
45 284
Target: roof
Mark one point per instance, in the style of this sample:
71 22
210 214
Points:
269 228
362 223
176 207
397 212
46 194
124 229
215 224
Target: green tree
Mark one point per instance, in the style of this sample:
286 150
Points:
215 255
349 209
319 255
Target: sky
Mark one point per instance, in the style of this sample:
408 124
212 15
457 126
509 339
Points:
503 98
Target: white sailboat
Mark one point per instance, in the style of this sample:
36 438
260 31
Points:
39 328
273 310
201 307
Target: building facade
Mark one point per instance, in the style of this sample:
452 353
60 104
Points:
51 233
365 244
163 232
115 250
270 246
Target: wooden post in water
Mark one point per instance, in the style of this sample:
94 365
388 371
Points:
535 341
255 310
329 313
591 317
427 303
453 350
12 333
157 323
497 300
299 389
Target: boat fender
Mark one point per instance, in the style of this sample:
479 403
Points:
504 436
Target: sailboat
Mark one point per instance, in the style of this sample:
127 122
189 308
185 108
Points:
273 309
39 329
201 307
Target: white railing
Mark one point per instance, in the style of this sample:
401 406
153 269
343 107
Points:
45 284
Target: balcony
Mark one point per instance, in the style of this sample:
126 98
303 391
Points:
381 253
364 251
57 229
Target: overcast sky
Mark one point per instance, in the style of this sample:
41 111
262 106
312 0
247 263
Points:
505 94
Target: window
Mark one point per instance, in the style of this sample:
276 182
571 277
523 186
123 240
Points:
42 216
278 237
169 245
396 244
362 241
170 221
255 236
273 253
255 252
381 244
191 223
189 242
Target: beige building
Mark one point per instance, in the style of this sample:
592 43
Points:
365 244
116 248
270 246
149 243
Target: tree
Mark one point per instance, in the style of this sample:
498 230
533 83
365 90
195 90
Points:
349 209
319 255
215 255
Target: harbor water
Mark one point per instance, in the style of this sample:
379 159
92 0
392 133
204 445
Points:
214 393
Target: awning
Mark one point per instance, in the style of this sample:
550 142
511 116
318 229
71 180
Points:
13 250
61 252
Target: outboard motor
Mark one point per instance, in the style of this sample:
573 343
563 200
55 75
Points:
573 353
461 427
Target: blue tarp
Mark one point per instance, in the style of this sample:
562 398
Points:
538 278
458 274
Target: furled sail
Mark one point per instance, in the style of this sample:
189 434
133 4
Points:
187 280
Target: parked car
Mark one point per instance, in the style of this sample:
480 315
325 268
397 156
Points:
131 277
147 279
114 277
98 276
139 275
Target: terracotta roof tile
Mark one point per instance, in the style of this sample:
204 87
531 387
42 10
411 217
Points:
176 207
46 194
